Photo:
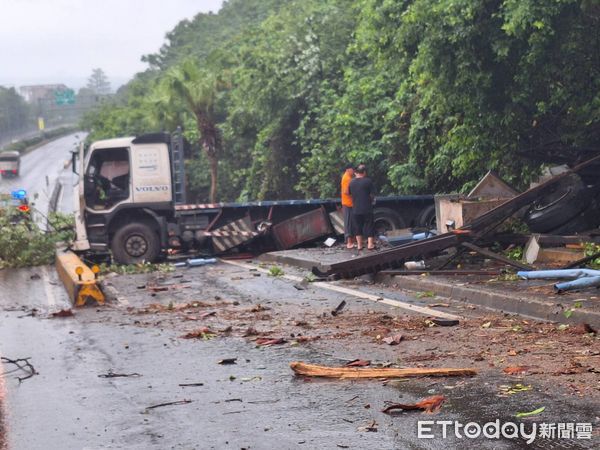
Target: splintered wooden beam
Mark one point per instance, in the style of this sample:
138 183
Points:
313 370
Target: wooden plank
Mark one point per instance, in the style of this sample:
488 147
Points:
313 370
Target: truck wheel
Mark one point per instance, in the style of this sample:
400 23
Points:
386 219
557 208
427 218
135 243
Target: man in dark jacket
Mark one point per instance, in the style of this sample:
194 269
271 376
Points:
363 197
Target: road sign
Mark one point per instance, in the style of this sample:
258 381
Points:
64 96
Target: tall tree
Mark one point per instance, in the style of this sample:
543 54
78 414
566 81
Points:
199 90
98 82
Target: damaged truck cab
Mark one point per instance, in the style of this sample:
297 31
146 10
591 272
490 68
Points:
125 197
131 201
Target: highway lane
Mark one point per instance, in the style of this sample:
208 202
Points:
40 170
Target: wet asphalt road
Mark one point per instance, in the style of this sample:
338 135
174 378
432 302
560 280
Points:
255 404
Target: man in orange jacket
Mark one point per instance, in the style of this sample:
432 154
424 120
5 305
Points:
347 206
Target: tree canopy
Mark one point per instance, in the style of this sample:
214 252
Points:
98 82
430 94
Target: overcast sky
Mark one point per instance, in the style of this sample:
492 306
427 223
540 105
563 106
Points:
61 41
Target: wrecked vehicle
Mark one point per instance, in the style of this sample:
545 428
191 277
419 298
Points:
132 201
563 204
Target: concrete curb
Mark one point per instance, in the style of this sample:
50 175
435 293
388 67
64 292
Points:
522 305
288 260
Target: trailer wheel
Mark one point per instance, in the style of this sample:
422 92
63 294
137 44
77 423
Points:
135 243
386 219
427 219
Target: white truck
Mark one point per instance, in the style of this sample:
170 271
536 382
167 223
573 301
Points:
131 201
10 164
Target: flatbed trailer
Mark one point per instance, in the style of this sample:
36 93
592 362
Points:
132 201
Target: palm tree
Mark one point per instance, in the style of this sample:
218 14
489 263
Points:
198 90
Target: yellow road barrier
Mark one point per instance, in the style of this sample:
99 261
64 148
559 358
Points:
79 280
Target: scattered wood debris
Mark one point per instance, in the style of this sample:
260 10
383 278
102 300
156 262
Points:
201 333
269 341
393 340
313 370
227 361
338 309
111 374
177 402
516 370
429 405
358 363
63 313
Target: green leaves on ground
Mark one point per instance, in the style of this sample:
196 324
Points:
275 271
535 412
23 243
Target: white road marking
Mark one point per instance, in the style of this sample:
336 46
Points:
356 293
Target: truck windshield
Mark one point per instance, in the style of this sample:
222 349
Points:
9 158
107 178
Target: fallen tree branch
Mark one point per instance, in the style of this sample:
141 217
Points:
22 364
313 370
111 374
178 402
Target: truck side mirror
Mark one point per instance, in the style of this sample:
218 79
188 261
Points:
74 162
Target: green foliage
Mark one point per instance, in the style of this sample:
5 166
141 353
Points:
15 114
430 94
23 243
590 249
275 271
515 253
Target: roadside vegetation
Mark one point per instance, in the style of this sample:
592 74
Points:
24 144
276 95
23 243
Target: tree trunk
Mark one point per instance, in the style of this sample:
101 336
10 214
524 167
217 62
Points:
209 141
214 167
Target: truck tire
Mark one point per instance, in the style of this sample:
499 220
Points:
135 243
386 219
584 221
427 219
557 208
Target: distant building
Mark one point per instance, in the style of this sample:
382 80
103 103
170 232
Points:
34 93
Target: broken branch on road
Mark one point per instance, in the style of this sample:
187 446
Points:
178 402
313 370
111 374
22 364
